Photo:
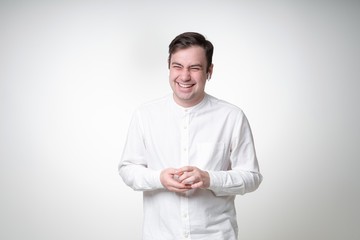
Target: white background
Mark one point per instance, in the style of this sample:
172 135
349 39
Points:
72 73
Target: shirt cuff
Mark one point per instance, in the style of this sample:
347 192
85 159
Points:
215 180
156 179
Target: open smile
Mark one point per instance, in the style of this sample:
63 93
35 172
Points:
184 85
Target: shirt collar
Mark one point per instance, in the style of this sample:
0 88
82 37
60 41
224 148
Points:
194 108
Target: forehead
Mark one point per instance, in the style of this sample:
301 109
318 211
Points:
193 54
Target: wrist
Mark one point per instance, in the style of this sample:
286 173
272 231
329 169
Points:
206 179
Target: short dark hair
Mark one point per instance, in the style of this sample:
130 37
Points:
189 39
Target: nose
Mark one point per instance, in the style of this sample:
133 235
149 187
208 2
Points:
185 75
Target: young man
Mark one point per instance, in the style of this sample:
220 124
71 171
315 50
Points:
190 153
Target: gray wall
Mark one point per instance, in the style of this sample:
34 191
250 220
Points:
72 73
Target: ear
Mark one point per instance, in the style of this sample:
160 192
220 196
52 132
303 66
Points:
210 71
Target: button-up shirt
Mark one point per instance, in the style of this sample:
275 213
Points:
214 136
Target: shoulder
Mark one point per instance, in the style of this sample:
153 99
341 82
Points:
153 105
224 106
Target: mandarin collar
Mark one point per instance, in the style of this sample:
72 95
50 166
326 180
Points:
192 109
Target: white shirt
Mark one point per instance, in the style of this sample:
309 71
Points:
214 136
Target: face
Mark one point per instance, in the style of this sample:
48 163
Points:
188 75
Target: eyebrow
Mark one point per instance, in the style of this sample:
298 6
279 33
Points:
175 63
194 65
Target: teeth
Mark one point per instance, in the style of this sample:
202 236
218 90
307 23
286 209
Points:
185 85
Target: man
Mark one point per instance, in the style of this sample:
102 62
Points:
190 153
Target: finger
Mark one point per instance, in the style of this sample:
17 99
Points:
189 180
172 171
183 188
175 184
179 172
184 176
197 185
186 169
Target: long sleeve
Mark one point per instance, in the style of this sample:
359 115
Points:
213 136
243 175
133 166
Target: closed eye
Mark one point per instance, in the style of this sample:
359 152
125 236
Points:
195 67
176 66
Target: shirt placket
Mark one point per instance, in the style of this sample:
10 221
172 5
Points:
185 162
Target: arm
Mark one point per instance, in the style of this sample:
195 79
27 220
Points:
234 182
133 166
243 175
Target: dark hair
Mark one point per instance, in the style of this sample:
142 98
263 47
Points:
189 39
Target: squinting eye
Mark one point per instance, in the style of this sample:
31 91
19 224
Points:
195 69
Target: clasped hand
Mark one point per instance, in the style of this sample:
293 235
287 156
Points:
185 178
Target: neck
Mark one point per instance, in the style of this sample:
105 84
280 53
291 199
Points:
188 104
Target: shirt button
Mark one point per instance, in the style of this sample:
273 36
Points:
185 149
186 235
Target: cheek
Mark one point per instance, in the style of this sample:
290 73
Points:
172 75
172 80
201 79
